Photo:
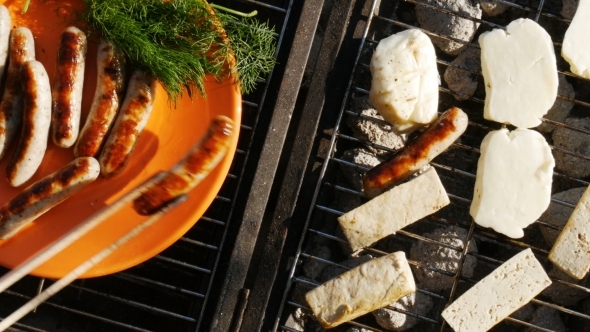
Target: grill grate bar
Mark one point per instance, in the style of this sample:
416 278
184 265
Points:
265 5
23 326
134 278
179 263
199 243
134 304
79 312
215 221
249 103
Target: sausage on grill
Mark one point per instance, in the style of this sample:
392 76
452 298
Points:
36 122
67 87
191 170
46 193
131 121
5 26
417 153
110 80
22 49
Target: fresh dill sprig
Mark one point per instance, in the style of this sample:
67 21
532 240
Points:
181 41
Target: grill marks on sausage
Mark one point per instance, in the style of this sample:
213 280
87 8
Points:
191 170
400 165
110 86
129 125
29 96
46 187
216 140
66 102
160 194
22 49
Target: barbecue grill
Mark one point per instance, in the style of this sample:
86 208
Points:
240 268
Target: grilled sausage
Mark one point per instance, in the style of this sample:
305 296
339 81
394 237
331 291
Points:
5 26
67 87
191 170
107 99
22 49
131 121
417 153
46 193
36 121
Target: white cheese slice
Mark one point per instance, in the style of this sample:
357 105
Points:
509 287
393 210
571 251
520 73
575 48
370 286
513 182
404 86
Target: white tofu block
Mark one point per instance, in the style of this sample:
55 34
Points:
370 286
505 290
513 181
575 48
520 73
405 80
393 210
571 251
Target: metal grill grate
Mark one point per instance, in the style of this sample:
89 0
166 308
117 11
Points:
456 168
170 291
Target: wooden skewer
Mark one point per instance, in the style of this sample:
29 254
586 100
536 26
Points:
82 268
73 235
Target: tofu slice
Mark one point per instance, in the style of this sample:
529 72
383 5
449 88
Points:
370 286
571 251
393 210
509 287
575 48
513 181
520 73
405 80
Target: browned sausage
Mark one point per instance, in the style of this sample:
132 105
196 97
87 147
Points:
68 83
417 153
36 122
187 174
110 83
132 119
46 193
22 49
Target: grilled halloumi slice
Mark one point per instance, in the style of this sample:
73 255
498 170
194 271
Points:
575 48
405 80
513 182
520 73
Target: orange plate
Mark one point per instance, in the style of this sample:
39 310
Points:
169 134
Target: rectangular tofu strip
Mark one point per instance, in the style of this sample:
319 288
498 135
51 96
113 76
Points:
370 286
393 210
509 287
571 251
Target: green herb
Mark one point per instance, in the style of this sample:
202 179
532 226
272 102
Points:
180 41
25 6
